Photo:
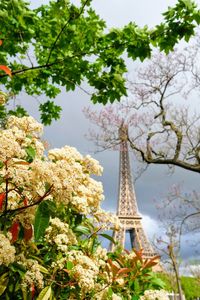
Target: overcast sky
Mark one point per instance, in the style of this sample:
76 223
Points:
73 126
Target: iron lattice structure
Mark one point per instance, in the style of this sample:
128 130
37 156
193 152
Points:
127 210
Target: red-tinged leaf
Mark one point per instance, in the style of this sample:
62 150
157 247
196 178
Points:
120 261
32 291
150 264
6 70
114 268
2 198
65 270
1 42
146 261
71 283
156 257
138 254
25 202
14 230
21 162
127 252
123 271
28 233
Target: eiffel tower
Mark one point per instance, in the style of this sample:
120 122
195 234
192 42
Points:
127 210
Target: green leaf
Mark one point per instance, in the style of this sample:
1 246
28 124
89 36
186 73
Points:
47 186
135 297
70 265
45 294
110 292
43 269
42 217
3 282
18 112
188 3
31 153
108 237
24 292
49 205
18 268
157 282
82 229
49 111
1 164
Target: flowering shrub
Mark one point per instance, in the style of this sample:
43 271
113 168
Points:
50 220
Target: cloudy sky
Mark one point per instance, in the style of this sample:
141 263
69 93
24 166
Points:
72 127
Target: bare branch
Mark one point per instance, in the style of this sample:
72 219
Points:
162 130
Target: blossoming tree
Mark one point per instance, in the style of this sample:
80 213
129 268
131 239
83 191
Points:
163 128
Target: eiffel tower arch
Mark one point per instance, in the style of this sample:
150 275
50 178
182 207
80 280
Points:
127 210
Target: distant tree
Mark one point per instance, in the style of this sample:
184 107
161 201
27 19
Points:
179 215
195 271
61 44
184 209
162 127
169 246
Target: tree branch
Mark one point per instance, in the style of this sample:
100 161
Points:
63 28
11 211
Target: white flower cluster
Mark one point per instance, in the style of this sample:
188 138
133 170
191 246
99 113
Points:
65 170
92 165
33 276
103 295
71 177
20 134
60 234
85 270
25 124
107 220
100 256
62 176
10 149
7 252
155 295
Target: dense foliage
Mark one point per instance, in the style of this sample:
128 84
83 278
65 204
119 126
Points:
61 44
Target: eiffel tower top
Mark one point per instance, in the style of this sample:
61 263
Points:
127 204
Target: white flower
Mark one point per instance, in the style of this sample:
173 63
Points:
92 165
27 124
155 295
7 252
60 234
33 274
3 98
